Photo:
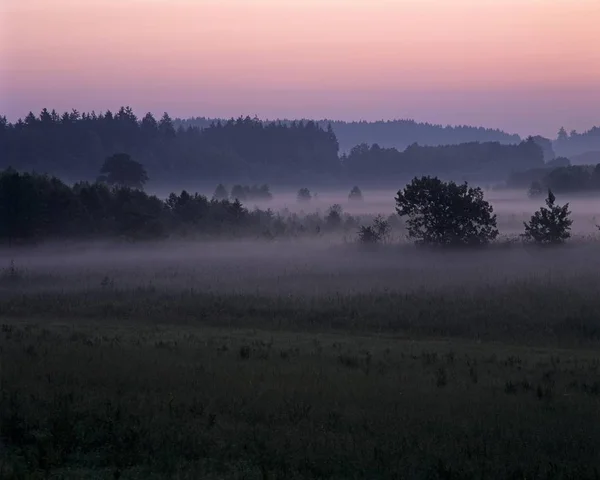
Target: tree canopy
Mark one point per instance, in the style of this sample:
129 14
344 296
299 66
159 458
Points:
446 214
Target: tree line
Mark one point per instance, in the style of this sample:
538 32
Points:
563 179
574 143
447 214
482 160
74 146
38 208
397 134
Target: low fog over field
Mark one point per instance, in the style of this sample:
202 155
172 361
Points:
307 267
329 263
512 207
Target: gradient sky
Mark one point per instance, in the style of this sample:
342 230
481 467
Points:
527 66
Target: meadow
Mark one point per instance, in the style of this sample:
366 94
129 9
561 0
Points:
299 360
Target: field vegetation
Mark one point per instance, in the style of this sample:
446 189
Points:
299 359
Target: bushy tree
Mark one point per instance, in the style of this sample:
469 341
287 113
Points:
446 214
304 195
355 194
549 225
121 170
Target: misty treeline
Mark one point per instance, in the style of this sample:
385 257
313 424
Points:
402 133
492 160
36 208
566 179
73 146
574 143
398 134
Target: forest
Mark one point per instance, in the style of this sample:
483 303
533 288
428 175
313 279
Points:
73 146
397 134
574 143
489 160
37 208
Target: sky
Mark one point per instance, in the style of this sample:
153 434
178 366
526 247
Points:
526 66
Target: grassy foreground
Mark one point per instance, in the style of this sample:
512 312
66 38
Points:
500 381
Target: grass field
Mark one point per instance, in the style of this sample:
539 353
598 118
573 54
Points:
299 363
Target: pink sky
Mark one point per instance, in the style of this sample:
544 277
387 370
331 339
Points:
528 66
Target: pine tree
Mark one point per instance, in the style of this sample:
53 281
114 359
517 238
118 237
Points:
221 193
355 194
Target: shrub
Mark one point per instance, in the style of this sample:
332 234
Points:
446 214
378 231
368 234
550 225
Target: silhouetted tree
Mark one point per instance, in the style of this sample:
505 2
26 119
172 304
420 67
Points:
260 193
382 227
165 126
334 216
549 225
220 193
447 214
120 169
304 195
562 135
355 194
367 234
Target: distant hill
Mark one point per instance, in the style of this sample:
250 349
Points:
398 134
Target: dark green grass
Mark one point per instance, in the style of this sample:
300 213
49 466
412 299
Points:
533 312
94 401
